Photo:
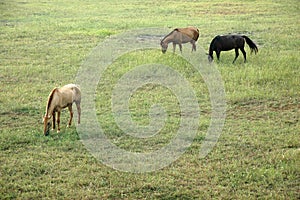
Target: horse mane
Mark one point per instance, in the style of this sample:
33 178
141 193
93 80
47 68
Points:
176 29
51 98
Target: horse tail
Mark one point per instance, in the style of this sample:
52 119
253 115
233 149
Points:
251 44
196 35
78 93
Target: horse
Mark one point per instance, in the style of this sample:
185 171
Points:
180 36
60 98
229 42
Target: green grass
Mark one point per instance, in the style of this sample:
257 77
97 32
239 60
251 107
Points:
43 44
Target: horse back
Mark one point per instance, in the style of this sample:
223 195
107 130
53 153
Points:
227 42
191 31
70 93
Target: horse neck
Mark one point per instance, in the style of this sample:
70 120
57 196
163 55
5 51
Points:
50 105
210 51
212 47
167 39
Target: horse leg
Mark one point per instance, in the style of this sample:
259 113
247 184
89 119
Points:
53 122
71 115
236 54
193 45
78 111
218 54
244 53
58 121
180 47
174 47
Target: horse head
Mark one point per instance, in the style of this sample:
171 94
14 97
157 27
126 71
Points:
47 124
164 46
209 57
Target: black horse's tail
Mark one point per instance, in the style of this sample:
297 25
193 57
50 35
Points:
251 44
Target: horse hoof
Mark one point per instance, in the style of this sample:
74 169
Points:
58 131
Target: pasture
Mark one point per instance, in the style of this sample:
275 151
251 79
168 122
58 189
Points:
44 44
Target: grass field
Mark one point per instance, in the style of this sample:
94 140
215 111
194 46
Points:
44 44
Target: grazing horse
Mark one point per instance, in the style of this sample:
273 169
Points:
60 98
229 42
180 36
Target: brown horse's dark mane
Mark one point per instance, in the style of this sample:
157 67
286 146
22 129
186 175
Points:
50 98
176 29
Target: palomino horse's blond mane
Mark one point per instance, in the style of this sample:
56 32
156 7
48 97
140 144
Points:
50 99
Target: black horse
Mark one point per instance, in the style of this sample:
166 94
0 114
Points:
229 42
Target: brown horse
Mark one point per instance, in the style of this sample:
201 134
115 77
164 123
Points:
58 99
180 36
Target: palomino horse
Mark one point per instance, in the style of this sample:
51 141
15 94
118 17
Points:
58 99
180 36
229 42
